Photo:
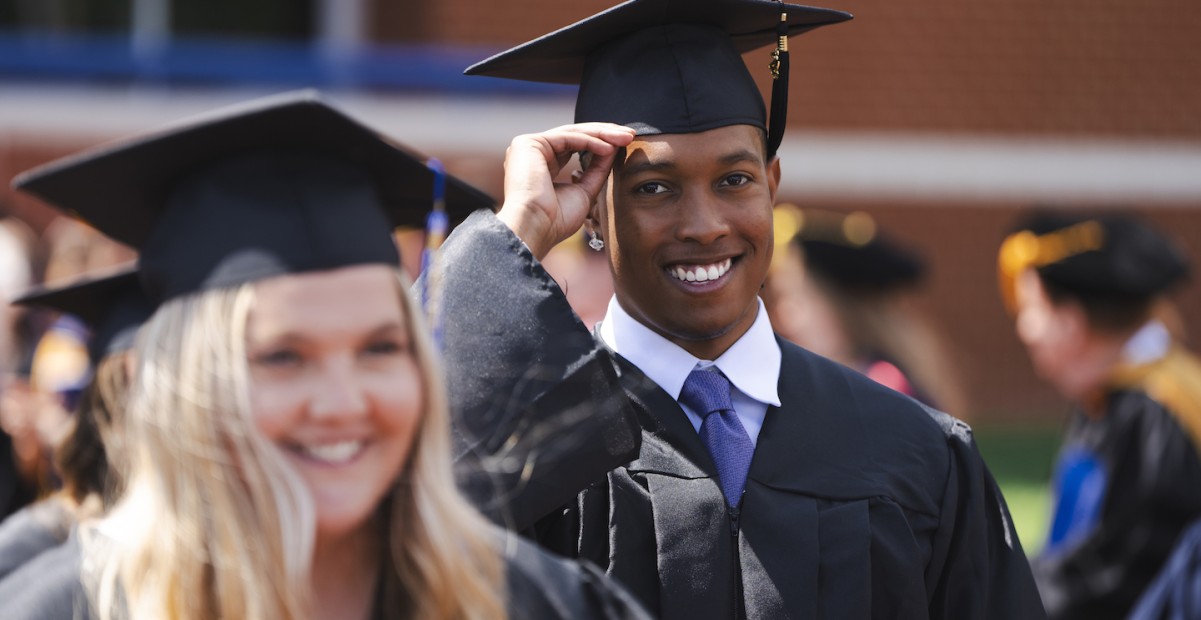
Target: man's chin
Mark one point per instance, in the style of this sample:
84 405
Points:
698 332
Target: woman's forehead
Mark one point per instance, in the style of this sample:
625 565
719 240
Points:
350 299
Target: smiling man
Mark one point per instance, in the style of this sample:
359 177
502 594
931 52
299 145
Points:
762 481
688 220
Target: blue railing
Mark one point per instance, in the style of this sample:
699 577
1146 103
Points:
111 58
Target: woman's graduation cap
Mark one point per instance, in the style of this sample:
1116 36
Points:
113 306
1109 256
668 66
281 185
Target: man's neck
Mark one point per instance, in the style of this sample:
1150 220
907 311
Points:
709 346
1088 378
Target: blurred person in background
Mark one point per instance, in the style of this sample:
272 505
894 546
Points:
113 307
1085 291
16 243
841 287
43 402
38 405
287 436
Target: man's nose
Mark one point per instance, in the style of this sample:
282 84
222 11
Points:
704 217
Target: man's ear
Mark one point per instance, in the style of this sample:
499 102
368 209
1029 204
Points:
596 213
773 176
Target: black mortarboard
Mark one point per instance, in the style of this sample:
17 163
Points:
666 66
113 306
1103 256
279 185
848 249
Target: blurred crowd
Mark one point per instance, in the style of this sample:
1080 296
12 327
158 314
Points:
44 353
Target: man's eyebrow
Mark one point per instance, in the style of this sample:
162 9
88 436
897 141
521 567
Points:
739 156
647 166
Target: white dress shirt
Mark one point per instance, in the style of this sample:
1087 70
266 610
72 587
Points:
1151 343
752 364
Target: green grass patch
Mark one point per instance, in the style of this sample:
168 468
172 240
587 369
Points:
1020 459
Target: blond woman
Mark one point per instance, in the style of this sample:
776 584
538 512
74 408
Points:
288 432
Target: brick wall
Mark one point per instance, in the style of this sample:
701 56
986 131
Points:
1097 68
1002 67
1076 68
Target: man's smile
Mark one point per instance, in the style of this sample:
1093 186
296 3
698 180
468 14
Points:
700 272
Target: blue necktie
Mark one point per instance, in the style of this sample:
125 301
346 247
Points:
708 394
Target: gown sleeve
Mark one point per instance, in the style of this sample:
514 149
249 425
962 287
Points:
1153 492
28 533
537 408
47 588
544 587
1176 593
979 569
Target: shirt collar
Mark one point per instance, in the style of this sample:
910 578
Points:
1149 344
752 363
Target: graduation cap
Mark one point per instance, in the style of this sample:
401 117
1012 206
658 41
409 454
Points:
1109 256
848 249
668 66
280 185
112 305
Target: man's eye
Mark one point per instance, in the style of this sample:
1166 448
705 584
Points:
736 179
654 187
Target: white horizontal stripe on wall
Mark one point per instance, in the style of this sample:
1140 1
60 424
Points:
820 164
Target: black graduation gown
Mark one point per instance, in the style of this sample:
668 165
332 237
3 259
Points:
539 586
540 413
1176 592
31 531
860 503
14 492
47 587
1152 491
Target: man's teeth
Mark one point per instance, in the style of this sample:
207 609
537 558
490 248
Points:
334 452
701 273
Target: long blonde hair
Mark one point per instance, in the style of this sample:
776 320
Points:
215 524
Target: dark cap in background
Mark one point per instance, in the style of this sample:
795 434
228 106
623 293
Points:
1102 256
112 305
848 250
280 185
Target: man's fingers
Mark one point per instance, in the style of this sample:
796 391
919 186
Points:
557 145
540 211
607 131
592 179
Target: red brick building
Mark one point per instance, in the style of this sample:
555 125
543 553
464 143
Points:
941 118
